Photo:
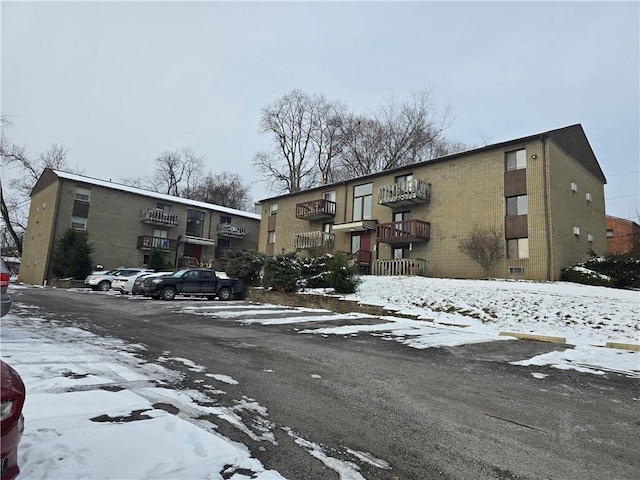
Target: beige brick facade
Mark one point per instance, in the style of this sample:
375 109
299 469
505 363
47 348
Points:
113 216
562 223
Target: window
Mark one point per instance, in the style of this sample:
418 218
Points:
401 252
271 236
224 219
362 202
82 194
79 223
165 207
402 228
273 209
330 196
195 223
517 205
516 160
609 232
518 248
327 227
516 270
404 178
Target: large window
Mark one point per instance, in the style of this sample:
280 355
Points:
362 202
517 205
195 223
516 160
518 248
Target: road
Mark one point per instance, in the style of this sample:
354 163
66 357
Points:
396 412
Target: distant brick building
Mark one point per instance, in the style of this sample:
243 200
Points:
623 236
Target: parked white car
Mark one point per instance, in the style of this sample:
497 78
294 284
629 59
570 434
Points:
124 284
102 280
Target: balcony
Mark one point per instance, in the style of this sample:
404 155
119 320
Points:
405 231
308 240
232 231
316 209
361 258
147 242
404 193
400 266
156 216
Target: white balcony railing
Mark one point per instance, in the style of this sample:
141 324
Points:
410 191
231 230
158 216
400 266
307 240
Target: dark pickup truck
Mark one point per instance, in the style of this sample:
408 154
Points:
195 282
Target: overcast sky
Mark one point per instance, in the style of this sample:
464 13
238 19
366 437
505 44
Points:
119 82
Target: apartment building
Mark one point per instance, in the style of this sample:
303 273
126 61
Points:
623 236
543 193
124 223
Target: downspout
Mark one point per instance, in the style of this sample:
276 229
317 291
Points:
346 200
547 218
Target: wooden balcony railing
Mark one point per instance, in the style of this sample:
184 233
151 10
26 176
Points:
404 231
147 242
307 240
316 209
231 230
362 257
404 193
156 216
400 266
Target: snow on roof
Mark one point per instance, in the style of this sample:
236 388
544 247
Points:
148 193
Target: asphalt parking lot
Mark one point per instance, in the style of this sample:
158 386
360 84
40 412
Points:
452 412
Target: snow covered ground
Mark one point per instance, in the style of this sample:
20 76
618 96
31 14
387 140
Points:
96 410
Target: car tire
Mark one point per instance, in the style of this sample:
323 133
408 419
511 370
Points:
104 286
168 294
224 294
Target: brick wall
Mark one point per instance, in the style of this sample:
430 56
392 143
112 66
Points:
626 236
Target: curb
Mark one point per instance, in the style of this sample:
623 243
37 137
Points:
531 336
623 346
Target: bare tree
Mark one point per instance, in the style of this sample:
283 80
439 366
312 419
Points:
485 246
291 122
317 141
225 189
398 134
327 138
177 172
15 193
362 148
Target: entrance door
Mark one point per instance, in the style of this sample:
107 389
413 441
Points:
192 250
361 245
